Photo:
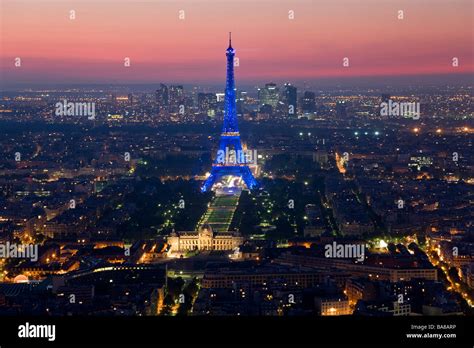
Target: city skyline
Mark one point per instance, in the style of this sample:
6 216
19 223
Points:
191 166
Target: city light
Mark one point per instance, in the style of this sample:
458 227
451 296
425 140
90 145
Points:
159 205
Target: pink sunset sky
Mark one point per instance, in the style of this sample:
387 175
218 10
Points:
270 46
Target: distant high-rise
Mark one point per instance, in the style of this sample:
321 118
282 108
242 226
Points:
309 102
341 109
268 95
207 103
220 97
290 100
162 96
176 97
241 100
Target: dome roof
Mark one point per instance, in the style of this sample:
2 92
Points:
206 231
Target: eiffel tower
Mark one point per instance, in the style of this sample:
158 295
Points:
230 136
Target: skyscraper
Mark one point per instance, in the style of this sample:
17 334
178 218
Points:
309 102
290 100
176 97
241 100
341 109
230 135
268 95
162 96
207 103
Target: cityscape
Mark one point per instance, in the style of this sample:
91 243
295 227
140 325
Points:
254 197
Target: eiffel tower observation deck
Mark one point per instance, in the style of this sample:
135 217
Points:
230 137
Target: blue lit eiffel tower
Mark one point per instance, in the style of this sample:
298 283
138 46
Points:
230 136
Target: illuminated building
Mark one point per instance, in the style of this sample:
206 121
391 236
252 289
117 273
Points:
230 136
268 95
176 98
290 100
203 239
333 306
207 103
162 96
309 104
